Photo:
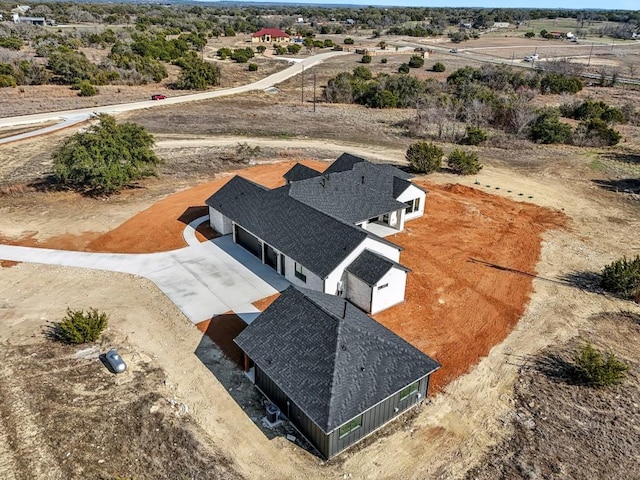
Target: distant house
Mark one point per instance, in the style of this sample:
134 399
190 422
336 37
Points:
335 373
324 231
501 25
556 35
268 35
30 20
466 25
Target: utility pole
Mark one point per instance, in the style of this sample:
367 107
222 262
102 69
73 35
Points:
302 85
590 52
314 92
512 55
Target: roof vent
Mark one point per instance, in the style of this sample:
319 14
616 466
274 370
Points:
363 179
344 311
362 369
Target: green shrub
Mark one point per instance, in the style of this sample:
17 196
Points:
424 157
474 136
363 73
105 158
7 81
261 49
196 74
438 67
349 41
404 68
280 50
416 61
622 278
598 133
12 43
366 59
224 53
593 369
242 55
294 48
559 83
229 31
328 43
85 89
383 60
253 67
79 326
598 110
464 163
548 128
529 34
383 99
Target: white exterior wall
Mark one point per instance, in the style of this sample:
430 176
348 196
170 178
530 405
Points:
219 222
313 282
411 193
383 298
358 292
339 275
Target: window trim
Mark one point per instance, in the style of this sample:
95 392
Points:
413 205
350 427
409 390
300 272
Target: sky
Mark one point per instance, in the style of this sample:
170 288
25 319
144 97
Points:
569 4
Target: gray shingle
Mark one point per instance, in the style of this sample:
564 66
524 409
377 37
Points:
300 172
343 163
313 239
371 267
329 357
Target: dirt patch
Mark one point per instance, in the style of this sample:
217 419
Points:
222 329
263 303
455 309
52 394
555 422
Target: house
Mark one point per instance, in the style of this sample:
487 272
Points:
334 372
30 20
324 231
268 35
501 24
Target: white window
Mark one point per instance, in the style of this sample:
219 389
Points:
413 205
301 272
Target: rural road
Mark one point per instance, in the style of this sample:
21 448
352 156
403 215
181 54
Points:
72 117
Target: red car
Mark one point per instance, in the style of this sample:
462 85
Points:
158 96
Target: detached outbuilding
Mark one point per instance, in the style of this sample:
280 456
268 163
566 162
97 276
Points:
334 372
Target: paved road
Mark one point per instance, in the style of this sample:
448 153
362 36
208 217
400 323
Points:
202 279
71 117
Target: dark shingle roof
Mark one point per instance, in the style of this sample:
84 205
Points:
371 267
343 196
329 357
344 162
313 239
300 172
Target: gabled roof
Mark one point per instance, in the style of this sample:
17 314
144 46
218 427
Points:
343 163
329 357
274 32
313 239
370 267
352 189
300 172
343 196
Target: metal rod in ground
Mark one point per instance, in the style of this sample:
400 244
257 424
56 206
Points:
302 85
314 92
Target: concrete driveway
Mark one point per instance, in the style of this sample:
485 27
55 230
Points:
202 279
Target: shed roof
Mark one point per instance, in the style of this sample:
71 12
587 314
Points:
370 267
329 357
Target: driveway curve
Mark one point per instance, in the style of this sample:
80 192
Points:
72 117
203 279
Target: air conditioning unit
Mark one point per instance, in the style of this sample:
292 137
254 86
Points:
273 413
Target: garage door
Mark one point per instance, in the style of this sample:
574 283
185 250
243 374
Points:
249 241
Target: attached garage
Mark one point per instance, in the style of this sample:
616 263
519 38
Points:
374 282
247 240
